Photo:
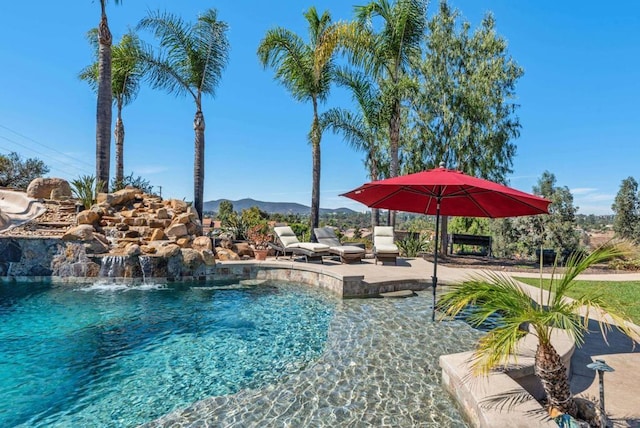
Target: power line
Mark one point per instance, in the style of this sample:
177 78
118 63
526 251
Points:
40 144
7 151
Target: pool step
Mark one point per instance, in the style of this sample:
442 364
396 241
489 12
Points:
399 293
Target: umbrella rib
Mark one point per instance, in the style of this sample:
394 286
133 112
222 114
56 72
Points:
470 195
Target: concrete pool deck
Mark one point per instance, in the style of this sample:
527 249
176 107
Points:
622 387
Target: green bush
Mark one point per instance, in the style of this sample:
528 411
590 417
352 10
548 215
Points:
413 245
302 231
625 264
129 180
85 188
237 227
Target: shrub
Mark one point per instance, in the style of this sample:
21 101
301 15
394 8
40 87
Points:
85 188
237 227
129 180
413 245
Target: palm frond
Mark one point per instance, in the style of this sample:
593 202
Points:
191 57
126 68
292 60
90 75
577 264
497 347
211 54
162 75
349 124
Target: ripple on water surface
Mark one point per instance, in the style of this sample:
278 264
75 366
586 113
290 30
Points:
109 355
379 368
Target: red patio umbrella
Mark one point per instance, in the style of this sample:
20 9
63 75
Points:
443 191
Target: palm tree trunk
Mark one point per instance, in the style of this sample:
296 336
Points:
198 165
103 112
444 234
394 140
119 134
553 375
315 147
375 212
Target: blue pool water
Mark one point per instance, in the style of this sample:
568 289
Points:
117 356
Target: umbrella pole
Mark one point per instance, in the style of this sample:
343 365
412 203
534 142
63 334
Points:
434 278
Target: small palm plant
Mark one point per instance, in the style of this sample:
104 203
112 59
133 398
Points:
86 189
496 293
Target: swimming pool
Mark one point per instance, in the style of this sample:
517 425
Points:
272 355
109 355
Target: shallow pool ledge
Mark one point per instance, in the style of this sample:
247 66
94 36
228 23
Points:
317 275
503 398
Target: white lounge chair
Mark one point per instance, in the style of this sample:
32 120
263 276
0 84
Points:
288 243
347 253
384 247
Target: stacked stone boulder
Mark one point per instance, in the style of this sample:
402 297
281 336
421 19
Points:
137 225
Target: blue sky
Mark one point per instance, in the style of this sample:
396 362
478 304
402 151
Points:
579 100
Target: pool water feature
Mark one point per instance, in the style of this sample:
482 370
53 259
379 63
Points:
113 355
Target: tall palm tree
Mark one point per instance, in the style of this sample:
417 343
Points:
190 61
387 55
363 130
103 110
125 83
306 71
499 294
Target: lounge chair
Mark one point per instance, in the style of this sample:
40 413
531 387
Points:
347 253
288 243
384 248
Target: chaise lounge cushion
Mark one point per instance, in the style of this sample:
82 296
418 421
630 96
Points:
347 253
290 241
384 247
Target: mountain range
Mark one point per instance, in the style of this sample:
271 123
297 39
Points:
272 207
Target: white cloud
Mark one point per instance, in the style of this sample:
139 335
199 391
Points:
582 190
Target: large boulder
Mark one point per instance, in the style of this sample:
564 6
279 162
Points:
121 197
176 230
192 259
43 187
157 235
202 243
88 217
224 254
168 251
178 206
208 257
84 232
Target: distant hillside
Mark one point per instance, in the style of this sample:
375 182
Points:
272 207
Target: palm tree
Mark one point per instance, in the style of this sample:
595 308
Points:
387 55
306 71
125 83
497 293
190 61
363 130
103 111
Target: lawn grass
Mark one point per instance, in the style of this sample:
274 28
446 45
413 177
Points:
624 296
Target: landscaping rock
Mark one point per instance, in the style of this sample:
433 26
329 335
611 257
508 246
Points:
202 243
42 188
88 217
176 230
84 232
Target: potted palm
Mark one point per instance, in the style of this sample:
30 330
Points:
259 237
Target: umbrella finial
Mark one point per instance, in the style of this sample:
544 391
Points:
441 164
